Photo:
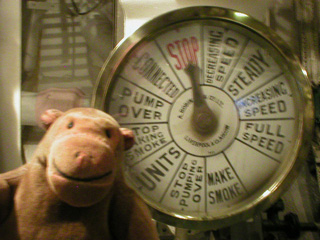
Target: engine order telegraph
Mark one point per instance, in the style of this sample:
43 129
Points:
221 110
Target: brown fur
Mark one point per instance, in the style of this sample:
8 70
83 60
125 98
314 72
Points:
64 193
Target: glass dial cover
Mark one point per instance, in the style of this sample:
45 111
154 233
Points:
260 108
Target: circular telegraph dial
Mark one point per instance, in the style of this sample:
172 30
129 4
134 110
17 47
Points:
221 113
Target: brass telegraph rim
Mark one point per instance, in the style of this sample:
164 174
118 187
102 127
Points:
301 86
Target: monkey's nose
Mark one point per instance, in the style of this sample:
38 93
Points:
83 159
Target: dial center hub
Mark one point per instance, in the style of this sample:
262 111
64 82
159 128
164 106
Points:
205 122
204 134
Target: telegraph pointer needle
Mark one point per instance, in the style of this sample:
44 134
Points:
203 119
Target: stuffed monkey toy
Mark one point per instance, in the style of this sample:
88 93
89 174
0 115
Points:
73 187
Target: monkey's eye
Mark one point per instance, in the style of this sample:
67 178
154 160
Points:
70 125
108 133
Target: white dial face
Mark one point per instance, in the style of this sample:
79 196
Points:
246 95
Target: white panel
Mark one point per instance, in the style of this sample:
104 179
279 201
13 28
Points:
10 50
137 12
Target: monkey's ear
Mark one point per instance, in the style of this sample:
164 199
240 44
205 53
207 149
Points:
49 117
128 138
